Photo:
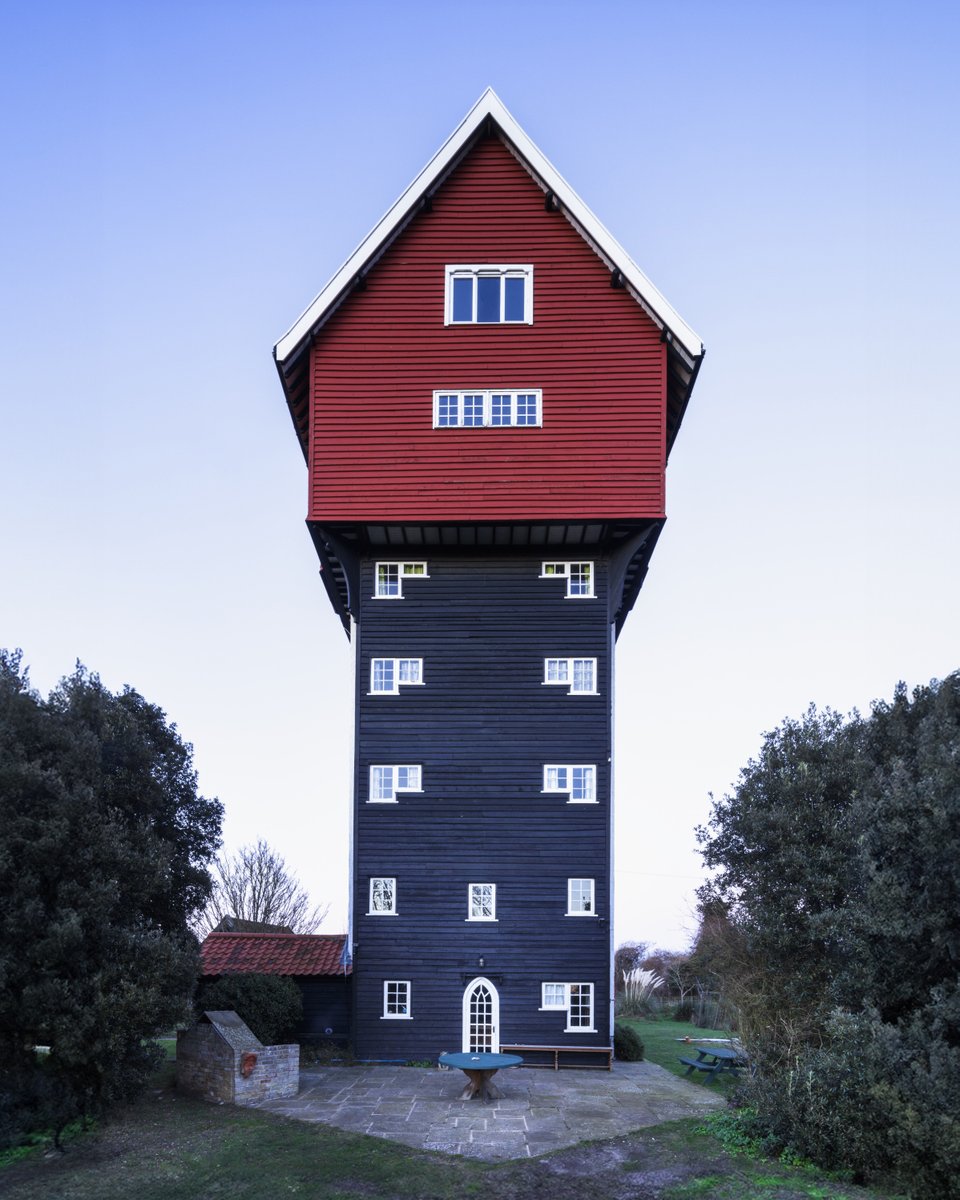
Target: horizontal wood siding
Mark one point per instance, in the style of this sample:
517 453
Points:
326 1008
481 726
594 352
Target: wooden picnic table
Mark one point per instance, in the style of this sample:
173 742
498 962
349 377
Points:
714 1061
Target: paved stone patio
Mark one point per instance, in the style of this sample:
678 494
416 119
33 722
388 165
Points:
539 1110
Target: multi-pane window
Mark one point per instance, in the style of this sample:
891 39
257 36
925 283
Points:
579 577
580 898
579 674
472 409
482 902
575 998
390 577
489 294
396 998
579 782
386 781
387 674
383 897
580 1006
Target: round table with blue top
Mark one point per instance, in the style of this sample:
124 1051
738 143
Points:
480 1070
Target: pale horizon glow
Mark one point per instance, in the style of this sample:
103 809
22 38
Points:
182 181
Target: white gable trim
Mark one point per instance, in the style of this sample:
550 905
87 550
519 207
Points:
489 105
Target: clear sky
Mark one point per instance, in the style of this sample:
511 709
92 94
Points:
180 180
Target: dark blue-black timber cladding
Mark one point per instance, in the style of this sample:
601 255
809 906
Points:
482 726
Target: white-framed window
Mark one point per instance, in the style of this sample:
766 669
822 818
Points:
491 407
488 294
386 781
575 998
481 901
388 583
579 781
388 674
579 1007
580 898
553 995
383 897
579 577
396 999
578 674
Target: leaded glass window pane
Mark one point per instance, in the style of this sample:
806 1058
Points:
500 408
382 895
482 901
383 675
526 408
473 408
448 409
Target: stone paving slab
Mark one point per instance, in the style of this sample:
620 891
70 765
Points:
539 1111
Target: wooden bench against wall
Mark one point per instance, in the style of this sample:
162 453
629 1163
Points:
552 1056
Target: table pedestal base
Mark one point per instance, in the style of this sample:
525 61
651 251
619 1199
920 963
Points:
480 1087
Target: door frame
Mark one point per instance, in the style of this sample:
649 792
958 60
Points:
494 1013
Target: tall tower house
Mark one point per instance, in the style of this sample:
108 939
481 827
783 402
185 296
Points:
486 394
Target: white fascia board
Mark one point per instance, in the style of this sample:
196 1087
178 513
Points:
490 105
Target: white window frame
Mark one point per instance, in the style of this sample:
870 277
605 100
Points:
397 681
397 1016
486 397
405 570
382 912
391 784
564 570
564 784
567 992
564 672
589 1027
500 270
471 903
546 1006
590 899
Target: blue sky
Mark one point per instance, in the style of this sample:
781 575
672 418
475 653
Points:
181 179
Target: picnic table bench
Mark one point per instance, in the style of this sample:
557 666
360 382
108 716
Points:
714 1061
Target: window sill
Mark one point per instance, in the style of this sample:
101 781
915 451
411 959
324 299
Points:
580 1029
481 920
580 914
382 914
394 801
583 801
407 1017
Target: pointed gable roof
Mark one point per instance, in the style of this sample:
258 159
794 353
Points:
685 349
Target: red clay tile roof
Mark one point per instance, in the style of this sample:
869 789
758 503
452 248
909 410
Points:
273 953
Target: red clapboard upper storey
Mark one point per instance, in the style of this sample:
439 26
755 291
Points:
417 403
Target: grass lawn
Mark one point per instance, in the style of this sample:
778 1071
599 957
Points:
662 1044
170 1147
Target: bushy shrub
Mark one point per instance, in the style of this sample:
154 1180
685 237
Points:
270 1004
627 1046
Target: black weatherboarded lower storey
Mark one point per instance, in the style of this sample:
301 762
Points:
482 725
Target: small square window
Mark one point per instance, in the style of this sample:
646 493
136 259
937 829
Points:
580 898
479 408
579 577
383 898
553 995
482 902
396 998
489 294
390 577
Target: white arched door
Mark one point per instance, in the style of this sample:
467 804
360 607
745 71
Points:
481 1017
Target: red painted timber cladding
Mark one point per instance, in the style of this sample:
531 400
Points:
374 455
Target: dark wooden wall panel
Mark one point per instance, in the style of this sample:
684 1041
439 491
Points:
481 726
374 455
